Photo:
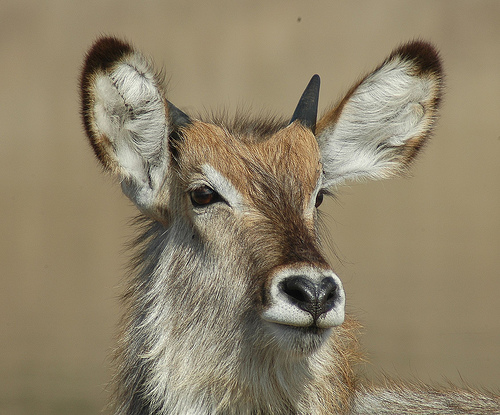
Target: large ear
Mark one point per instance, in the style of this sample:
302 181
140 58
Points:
378 128
127 118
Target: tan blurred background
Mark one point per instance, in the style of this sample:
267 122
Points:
419 257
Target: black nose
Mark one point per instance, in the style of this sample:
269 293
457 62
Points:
314 297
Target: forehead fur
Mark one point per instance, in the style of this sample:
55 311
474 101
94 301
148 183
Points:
251 161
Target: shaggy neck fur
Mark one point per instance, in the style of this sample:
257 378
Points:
162 357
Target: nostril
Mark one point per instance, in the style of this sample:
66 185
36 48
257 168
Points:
299 290
295 294
328 290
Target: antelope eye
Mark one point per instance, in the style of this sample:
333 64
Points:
203 196
319 199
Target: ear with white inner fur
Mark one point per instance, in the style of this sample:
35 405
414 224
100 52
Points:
384 120
126 118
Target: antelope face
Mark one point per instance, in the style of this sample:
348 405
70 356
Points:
239 204
252 202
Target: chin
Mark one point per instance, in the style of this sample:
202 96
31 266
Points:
298 340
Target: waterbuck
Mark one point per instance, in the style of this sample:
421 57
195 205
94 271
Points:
232 307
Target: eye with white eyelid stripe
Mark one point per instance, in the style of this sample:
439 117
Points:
215 188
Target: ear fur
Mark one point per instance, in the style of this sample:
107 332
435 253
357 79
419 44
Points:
378 128
125 115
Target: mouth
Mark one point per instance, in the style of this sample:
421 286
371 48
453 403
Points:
299 339
312 330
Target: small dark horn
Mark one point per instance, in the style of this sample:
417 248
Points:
307 108
177 117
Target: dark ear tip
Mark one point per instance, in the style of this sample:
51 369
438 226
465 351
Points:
423 54
104 53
